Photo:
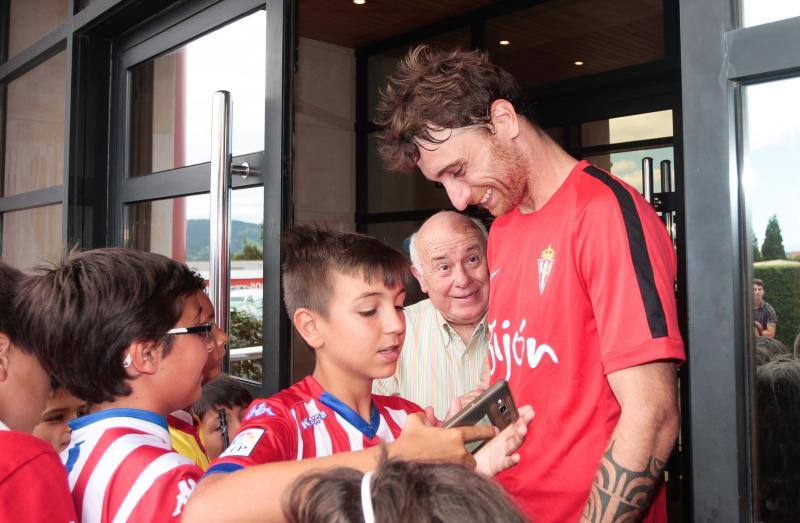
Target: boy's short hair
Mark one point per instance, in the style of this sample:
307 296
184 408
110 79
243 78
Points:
767 349
759 282
83 313
10 279
222 391
313 254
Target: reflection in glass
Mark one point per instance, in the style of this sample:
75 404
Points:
772 146
643 126
171 97
757 12
547 39
31 20
34 151
179 228
627 165
32 236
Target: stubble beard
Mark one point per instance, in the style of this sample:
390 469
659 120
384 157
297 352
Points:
510 162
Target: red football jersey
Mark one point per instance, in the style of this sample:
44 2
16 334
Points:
33 482
304 421
580 288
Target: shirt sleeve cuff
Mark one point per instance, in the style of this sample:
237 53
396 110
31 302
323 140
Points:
653 350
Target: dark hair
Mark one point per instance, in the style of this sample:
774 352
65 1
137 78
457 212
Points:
434 89
778 422
402 492
759 282
312 254
83 313
222 391
768 349
10 279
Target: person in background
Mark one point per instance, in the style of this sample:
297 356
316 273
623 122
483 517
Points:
399 491
62 407
444 353
766 318
220 411
184 427
33 482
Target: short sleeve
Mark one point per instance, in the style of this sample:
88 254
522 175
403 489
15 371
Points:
773 316
627 264
268 434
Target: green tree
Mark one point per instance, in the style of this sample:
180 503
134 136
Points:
756 252
772 248
250 251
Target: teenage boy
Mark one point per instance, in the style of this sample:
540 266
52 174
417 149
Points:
220 410
121 329
62 407
33 483
345 295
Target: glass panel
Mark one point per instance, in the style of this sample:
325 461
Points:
380 66
32 20
772 143
397 191
34 156
396 235
179 228
627 165
32 236
171 97
643 126
757 12
555 41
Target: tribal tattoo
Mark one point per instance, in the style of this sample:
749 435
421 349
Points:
621 495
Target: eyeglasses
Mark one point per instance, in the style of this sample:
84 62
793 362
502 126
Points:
204 328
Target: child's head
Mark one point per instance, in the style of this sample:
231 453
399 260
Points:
345 292
226 394
101 320
24 382
399 491
62 407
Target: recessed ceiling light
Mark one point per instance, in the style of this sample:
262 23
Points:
504 42
578 62
359 2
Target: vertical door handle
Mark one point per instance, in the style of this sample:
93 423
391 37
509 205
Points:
220 217
647 178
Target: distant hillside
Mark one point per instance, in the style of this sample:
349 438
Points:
197 235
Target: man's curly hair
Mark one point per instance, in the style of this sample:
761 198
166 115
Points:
434 89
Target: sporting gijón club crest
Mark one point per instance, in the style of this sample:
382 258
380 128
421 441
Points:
546 261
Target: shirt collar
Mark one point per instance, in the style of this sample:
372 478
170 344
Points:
135 414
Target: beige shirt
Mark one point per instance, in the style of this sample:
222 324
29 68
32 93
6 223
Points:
435 364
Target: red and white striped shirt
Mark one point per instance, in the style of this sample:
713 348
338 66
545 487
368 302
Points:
121 467
304 421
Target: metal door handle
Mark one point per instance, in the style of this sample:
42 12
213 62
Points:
220 216
647 178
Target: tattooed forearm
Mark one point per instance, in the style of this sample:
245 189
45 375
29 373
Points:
619 494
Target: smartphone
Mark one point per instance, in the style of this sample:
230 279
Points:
495 403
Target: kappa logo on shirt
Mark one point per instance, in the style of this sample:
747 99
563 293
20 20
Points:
244 443
260 409
316 419
546 261
185 489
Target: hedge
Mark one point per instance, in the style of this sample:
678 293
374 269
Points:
782 291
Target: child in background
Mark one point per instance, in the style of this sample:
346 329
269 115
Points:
62 407
220 410
184 428
122 329
345 295
33 483
399 491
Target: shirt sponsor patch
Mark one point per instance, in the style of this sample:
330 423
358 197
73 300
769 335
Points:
258 410
244 443
316 419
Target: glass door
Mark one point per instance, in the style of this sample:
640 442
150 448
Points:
195 146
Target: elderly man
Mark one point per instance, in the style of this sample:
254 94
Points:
445 349
582 304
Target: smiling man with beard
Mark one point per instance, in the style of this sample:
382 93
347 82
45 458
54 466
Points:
444 353
582 305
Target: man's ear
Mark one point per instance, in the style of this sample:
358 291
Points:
504 118
5 350
420 278
305 321
143 357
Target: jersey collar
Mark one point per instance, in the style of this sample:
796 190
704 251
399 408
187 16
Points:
339 407
144 415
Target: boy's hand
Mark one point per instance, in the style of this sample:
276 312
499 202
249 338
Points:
499 453
423 442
